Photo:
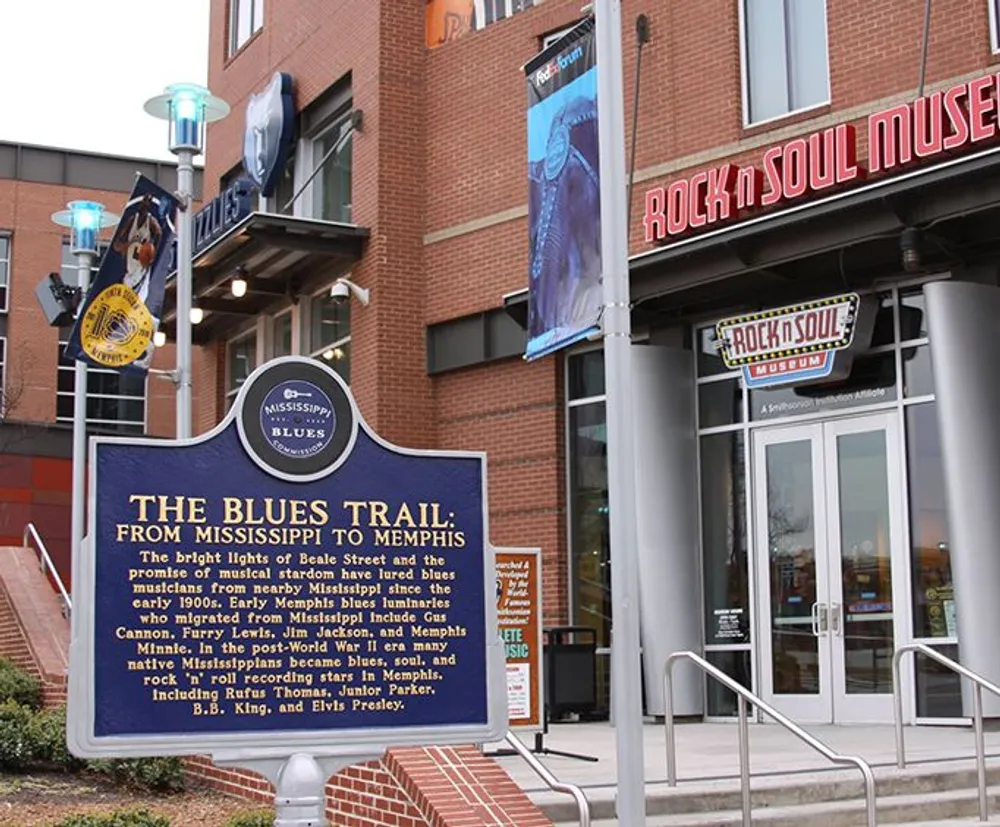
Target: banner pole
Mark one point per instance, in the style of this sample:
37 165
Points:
84 262
185 188
626 689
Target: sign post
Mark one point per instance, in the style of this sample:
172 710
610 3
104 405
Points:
288 593
519 614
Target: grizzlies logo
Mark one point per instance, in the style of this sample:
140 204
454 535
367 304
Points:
117 328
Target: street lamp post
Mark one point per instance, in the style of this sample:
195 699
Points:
187 108
626 687
85 220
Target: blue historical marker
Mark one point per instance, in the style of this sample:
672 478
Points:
288 582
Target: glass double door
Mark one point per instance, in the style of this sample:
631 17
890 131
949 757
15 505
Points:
829 567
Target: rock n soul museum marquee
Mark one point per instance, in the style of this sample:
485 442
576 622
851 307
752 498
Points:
962 117
287 583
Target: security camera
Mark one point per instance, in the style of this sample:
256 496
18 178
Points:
343 288
340 292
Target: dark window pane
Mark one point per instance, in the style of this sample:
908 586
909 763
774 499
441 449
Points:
64 407
724 540
912 316
589 561
586 374
114 410
338 358
283 335
933 590
883 333
709 360
67 381
720 403
872 380
918 378
242 360
332 186
939 690
329 321
721 701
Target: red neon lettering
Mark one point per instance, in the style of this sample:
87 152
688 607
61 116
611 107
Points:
794 168
739 343
677 206
980 105
749 184
958 135
772 172
654 222
720 192
847 154
696 199
822 169
928 126
890 138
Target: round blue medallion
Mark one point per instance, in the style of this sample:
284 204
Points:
297 419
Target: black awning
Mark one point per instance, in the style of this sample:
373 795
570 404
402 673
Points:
848 239
277 255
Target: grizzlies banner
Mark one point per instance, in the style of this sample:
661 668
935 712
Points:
564 208
121 311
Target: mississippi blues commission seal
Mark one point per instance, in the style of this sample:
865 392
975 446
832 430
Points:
297 418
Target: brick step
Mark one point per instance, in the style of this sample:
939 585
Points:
783 791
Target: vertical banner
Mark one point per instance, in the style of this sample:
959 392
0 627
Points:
448 20
121 311
519 616
564 206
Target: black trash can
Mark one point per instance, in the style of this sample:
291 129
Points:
570 656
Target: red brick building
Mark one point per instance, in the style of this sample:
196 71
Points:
409 162
36 381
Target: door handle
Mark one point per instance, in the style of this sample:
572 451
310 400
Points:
820 619
837 619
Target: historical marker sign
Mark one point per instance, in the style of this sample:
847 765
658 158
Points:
519 608
287 582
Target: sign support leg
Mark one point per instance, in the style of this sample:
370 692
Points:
299 782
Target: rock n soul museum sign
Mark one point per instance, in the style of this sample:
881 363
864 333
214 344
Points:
963 116
288 583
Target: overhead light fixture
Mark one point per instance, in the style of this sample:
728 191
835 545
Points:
197 314
909 246
159 338
238 285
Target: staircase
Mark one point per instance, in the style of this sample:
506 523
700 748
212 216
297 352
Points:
930 795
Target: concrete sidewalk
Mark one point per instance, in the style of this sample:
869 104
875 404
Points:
707 752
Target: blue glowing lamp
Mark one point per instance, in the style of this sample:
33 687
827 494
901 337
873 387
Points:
187 107
85 220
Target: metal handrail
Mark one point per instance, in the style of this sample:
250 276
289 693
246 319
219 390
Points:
742 696
979 683
31 533
554 783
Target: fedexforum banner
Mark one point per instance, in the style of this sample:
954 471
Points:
122 309
564 207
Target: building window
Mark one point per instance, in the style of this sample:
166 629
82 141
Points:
241 359
281 334
332 185
551 38
285 189
994 9
330 332
4 271
246 18
785 57
115 401
492 11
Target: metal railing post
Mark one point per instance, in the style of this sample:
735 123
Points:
45 561
977 722
583 806
741 704
668 721
979 683
744 695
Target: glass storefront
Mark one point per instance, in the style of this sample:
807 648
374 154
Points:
874 431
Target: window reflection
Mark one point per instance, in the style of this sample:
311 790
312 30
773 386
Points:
589 503
933 590
724 538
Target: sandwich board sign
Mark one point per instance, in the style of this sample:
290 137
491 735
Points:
288 584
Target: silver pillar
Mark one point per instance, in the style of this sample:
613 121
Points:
185 190
964 323
667 507
78 519
626 685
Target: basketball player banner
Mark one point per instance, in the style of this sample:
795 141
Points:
564 204
122 309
